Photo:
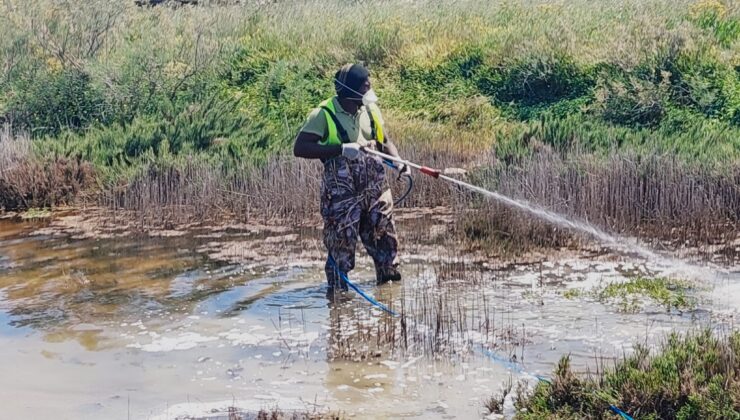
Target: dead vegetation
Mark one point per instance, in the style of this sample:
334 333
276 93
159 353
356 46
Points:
654 196
27 181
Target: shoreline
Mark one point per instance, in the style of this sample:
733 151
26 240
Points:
416 227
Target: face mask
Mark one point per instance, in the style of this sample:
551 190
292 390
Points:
369 98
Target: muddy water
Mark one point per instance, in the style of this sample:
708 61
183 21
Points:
190 324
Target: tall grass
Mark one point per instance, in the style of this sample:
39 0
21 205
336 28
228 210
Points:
27 181
651 195
192 107
72 66
655 196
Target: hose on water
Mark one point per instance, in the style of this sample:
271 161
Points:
516 367
359 291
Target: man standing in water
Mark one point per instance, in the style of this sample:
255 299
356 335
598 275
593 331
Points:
353 199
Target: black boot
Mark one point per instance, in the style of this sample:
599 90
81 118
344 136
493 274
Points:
337 295
337 290
386 274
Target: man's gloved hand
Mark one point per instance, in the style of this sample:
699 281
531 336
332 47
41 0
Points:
351 150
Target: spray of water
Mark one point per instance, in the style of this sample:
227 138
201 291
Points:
617 243
620 244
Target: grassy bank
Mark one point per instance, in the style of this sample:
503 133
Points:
115 84
155 97
688 377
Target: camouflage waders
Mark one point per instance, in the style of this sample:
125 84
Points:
354 203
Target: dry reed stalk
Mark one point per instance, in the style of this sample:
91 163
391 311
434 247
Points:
653 195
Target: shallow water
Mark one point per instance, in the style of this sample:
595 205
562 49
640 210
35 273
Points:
189 325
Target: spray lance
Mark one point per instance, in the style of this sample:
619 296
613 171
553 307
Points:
605 238
423 169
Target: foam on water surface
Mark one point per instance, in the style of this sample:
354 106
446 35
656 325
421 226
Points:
165 324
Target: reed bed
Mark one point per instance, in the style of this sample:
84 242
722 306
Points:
656 196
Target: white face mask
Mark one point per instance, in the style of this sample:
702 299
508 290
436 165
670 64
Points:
369 98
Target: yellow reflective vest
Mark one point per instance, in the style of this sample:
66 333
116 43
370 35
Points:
337 135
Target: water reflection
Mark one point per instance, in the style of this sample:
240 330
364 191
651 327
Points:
56 283
170 321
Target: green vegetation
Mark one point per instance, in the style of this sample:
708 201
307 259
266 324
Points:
630 295
664 291
696 376
34 213
167 79
131 90
573 293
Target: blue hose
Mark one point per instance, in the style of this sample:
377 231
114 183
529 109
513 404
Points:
621 413
359 291
520 370
511 365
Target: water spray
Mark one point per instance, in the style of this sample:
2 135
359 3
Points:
615 242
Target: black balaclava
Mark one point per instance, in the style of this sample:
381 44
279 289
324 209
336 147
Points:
349 79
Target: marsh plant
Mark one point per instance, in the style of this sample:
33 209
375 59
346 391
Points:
688 377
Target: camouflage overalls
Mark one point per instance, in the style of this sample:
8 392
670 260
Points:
355 201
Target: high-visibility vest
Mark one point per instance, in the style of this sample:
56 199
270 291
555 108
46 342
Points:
337 134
